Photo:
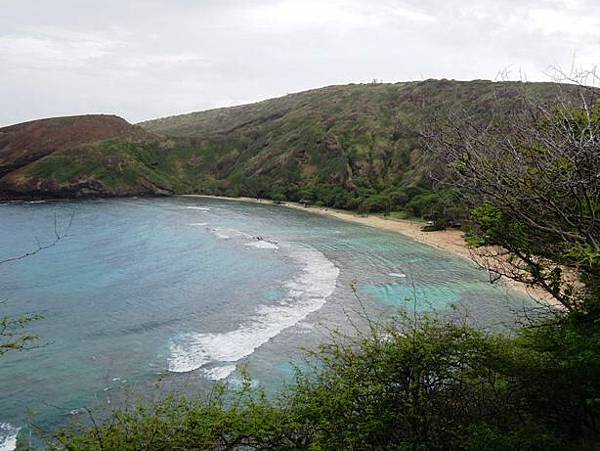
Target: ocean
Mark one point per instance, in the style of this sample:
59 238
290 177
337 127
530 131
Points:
145 296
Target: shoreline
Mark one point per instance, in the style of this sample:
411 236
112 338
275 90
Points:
451 240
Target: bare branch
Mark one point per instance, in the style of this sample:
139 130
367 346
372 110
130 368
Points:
57 237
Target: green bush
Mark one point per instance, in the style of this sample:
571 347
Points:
414 385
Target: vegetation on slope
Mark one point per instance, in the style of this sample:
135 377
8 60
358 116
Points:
76 156
24 143
351 147
105 168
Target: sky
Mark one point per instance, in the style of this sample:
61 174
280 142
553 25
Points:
143 59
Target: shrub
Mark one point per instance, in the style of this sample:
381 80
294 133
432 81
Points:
419 384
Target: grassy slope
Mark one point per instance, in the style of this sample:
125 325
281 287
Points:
340 145
362 138
76 155
112 167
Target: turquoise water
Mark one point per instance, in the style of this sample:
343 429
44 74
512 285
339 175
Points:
148 295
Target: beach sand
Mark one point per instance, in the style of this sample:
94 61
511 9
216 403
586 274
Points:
450 240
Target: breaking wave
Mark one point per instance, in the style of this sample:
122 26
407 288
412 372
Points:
256 241
219 372
8 437
262 244
306 293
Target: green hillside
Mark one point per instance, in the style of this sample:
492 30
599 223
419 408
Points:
352 146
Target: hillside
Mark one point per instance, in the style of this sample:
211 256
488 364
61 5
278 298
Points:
24 143
68 156
351 146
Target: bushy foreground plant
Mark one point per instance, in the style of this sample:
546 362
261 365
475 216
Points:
406 385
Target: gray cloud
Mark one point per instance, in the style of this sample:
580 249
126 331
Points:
143 59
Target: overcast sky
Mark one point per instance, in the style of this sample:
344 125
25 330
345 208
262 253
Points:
143 59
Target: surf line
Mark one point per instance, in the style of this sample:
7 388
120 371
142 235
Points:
217 353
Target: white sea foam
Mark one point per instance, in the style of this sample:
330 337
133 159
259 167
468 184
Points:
251 240
262 244
306 293
8 437
199 224
226 234
398 274
305 327
219 373
198 208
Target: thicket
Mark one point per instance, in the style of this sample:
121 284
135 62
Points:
406 385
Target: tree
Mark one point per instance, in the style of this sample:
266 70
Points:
408 384
534 185
534 188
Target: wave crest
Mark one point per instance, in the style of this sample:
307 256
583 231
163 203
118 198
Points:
306 293
8 437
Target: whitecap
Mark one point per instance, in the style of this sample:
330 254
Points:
226 234
398 274
219 372
305 327
198 208
306 293
8 437
199 224
262 244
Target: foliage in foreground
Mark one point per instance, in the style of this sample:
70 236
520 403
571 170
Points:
13 336
428 386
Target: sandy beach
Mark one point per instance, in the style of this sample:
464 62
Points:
450 240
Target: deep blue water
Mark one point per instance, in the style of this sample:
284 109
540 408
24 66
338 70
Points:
147 295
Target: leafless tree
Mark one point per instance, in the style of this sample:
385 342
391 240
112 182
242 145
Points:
535 176
58 235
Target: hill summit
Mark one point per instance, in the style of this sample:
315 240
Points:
24 143
38 143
